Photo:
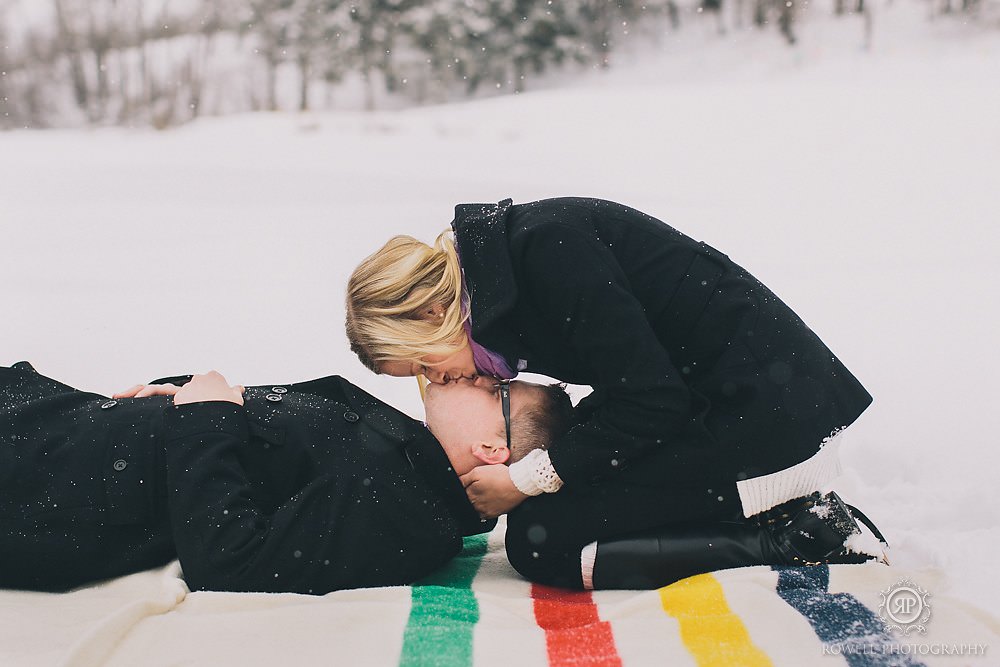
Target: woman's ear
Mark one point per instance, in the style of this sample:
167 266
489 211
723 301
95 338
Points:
490 454
433 313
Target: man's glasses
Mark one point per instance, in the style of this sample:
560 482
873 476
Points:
504 386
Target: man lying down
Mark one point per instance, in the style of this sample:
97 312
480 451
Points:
308 487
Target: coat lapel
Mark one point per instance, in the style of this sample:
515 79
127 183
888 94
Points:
481 236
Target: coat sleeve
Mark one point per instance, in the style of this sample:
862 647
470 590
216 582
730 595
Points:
582 297
338 531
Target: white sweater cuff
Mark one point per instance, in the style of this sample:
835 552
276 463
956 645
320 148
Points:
759 494
534 474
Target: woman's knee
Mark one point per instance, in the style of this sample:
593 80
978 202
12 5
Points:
539 558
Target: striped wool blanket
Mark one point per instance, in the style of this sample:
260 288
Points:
478 611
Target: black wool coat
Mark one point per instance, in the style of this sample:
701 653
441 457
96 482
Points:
700 372
309 487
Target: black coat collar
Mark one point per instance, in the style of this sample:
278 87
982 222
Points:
481 237
423 452
430 461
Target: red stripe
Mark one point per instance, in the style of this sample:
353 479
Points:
574 633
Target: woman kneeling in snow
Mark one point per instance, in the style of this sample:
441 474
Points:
716 412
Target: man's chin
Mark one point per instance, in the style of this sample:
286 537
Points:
430 389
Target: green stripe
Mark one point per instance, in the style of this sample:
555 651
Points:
444 612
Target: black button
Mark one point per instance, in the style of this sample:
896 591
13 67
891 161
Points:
274 398
279 390
120 465
351 416
109 405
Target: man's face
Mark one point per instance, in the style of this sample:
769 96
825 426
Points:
466 417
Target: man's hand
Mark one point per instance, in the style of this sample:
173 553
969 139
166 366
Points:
490 490
208 387
147 390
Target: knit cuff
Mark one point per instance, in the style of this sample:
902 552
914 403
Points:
534 474
759 494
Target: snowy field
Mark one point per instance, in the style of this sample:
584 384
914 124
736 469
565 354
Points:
862 187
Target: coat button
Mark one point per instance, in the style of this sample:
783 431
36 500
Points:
351 416
279 390
274 398
120 465
109 405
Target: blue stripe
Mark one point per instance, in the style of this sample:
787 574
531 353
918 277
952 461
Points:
839 620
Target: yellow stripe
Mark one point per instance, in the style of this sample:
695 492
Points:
422 384
710 630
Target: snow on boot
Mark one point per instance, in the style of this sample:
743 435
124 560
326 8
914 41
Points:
815 529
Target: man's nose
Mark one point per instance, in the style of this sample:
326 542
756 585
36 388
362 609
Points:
436 376
484 381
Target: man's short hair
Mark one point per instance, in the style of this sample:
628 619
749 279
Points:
541 421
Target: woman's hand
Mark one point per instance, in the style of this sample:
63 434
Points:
208 387
490 490
147 390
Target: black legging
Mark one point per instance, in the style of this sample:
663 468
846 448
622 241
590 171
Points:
546 534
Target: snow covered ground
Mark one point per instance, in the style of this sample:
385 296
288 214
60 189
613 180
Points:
861 186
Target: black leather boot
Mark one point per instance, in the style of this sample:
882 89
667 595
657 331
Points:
805 531
812 530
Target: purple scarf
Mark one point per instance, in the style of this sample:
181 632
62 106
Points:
487 361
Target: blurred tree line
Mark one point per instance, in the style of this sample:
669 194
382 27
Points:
165 62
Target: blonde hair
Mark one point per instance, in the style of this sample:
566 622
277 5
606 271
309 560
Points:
390 295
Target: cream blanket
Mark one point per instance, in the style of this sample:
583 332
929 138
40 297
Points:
478 611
